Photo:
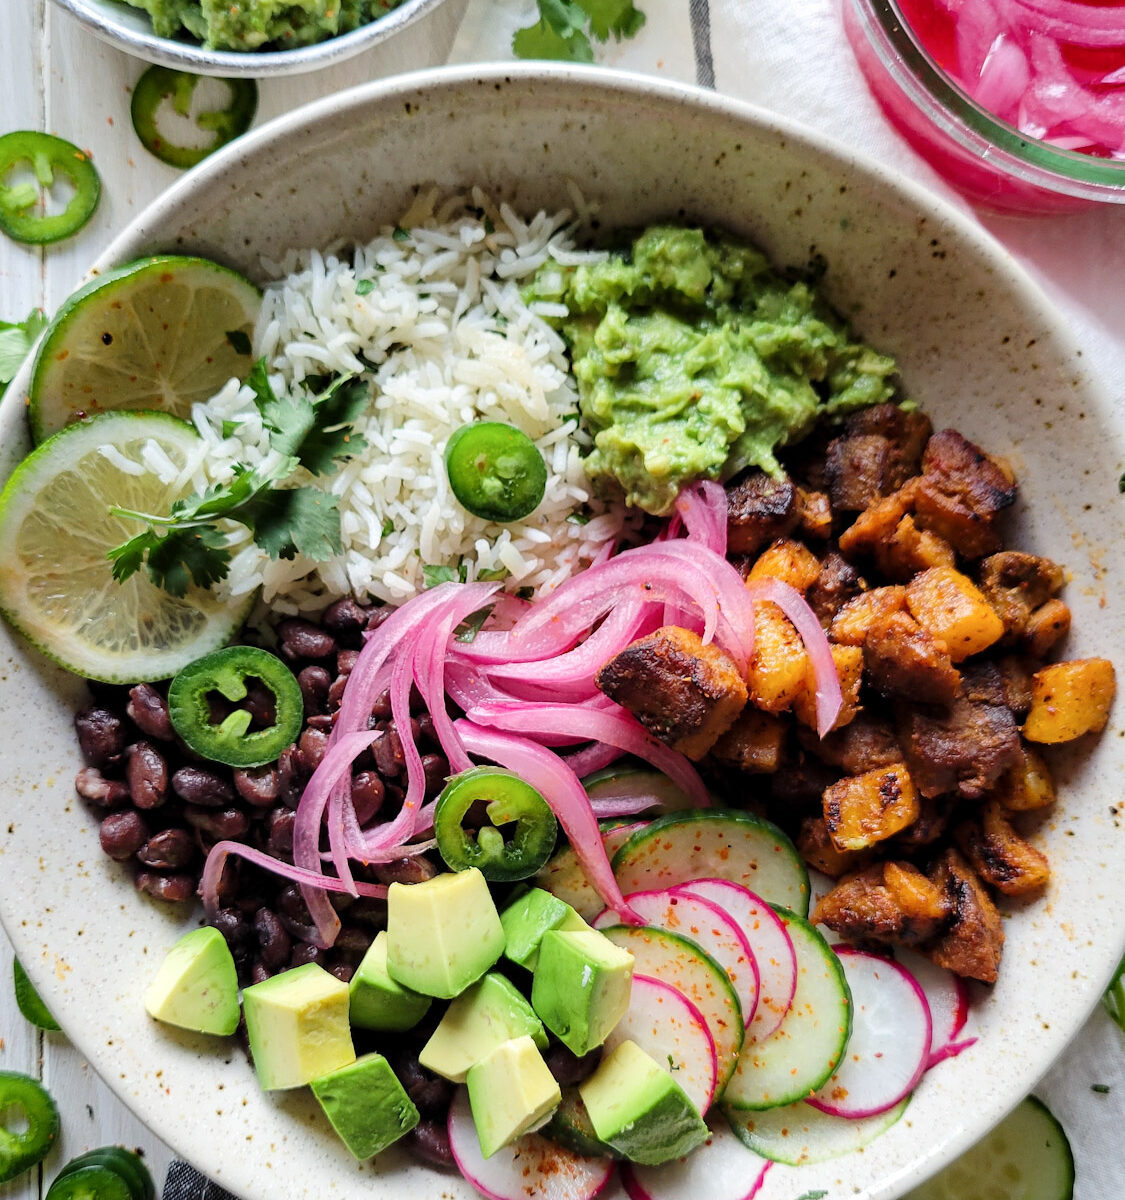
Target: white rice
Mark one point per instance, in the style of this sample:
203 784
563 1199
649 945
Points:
446 339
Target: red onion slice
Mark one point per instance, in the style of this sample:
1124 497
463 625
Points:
1067 21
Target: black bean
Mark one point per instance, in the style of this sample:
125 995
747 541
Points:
274 944
230 881
416 869
166 887
429 1141
345 661
387 749
368 794
122 834
302 639
291 904
336 692
199 785
259 786
168 850
369 912
101 735
260 703
236 931
437 770
306 952
426 732
431 1094
352 942
378 615
314 682
569 1068
291 776
146 772
258 973
279 836
321 722
343 971
148 710
220 824
93 786
382 706
346 620
313 745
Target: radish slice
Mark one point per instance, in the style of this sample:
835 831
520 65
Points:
769 942
666 1025
707 926
721 1169
529 1166
890 1042
948 998
798 1134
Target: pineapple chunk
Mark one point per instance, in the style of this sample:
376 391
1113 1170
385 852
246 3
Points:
864 809
1069 699
952 608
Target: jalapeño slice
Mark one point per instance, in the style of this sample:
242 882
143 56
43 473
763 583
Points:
29 1124
46 157
89 1183
495 470
160 84
506 799
203 685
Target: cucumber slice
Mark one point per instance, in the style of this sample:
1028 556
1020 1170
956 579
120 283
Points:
715 844
564 877
681 964
798 1134
630 782
804 1050
1026 1157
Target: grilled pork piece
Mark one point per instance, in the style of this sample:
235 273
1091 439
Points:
754 743
683 692
887 902
836 584
1002 858
759 509
862 745
1016 584
878 452
902 659
974 942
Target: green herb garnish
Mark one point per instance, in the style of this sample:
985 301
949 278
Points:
565 27
365 287
16 340
1114 998
435 573
187 546
1101 1088
471 625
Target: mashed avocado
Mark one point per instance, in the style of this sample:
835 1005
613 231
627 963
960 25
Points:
254 24
694 358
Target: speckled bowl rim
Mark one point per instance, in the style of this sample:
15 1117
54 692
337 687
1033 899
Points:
143 230
188 56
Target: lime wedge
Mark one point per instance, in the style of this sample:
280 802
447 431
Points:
157 334
56 586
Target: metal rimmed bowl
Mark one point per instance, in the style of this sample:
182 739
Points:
419 33
979 346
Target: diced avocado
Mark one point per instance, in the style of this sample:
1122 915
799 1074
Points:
483 1017
297 1023
639 1109
366 1104
443 934
511 1092
527 919
378 1001
197 985
571 1127
581 987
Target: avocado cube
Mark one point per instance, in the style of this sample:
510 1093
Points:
197 985
639 1109
527 919
366 1104
443 934
511 1092
297 1024
379 1002
485 1015
581 987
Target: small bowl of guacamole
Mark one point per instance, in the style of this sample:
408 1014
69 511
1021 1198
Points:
260 38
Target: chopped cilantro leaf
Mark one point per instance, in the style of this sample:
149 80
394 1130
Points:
435 573
489 225
578 518
388 527
471 625
525 593
819 1194
1121 484
16 340
561 31
364 287
400 234
491 574
1101 1088
240 341
230 428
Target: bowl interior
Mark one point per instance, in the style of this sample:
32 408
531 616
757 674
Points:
978 347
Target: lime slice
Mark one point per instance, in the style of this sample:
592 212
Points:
56 586
154 335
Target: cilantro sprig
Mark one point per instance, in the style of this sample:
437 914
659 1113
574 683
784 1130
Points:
1114 998
315 432
16 340
565 27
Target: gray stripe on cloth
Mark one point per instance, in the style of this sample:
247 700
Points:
184 1182
701 39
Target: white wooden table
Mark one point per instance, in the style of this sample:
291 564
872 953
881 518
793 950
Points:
56 78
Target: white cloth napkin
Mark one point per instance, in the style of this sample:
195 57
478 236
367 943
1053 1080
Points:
791 56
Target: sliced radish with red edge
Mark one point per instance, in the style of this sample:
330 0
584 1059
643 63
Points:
889 1045
721 1169
529 1166
769 942
705 924
948 997
666 1025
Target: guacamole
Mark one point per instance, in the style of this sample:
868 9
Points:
260 24
695 359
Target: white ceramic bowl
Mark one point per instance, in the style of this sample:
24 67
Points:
419 33
978 346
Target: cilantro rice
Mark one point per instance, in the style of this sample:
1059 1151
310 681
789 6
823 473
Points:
431 313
